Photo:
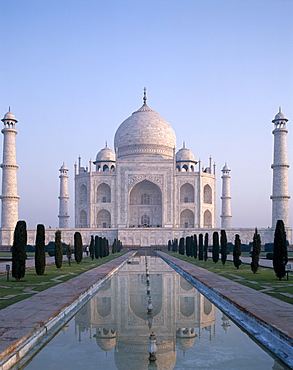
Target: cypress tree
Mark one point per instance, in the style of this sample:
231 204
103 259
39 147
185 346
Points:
40 257
215 247
169 245
191 246
224 247
19 250
97 247
200 247
114 246
175 245
68 253
58 249
256 247
194 246
107 248
181 246
101 247
188 246
92 247
280 258
77 247
206 246
237 252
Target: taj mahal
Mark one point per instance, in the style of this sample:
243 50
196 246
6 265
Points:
145 191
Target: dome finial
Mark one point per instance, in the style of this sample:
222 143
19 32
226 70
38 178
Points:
183 143
9 108
280 110
144 95
106 144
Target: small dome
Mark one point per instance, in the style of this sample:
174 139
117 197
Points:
63 167
280 116
184 155
105 155
9 116
226 168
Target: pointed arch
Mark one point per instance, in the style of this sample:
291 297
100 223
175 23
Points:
207 218
83 219
104 193
82 194
104 219
187 218
187 193
207 194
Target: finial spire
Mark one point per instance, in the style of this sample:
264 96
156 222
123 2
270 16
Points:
280 110
183 143
144 95
9 108
106 144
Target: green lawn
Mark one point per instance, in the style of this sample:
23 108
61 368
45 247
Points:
13 291
264 280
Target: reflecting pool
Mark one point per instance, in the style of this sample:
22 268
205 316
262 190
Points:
112 330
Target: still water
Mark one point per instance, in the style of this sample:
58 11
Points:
112 330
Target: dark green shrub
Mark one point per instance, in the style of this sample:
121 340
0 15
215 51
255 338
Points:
206 246
194 246
19 250
216 247
280 250
270 255
58 250
200 247
224 247
69 254
40 255
237 252
256 247
78 247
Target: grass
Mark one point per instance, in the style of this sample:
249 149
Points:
264 280
14 291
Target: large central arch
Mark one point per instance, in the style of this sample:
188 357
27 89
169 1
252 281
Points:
145 205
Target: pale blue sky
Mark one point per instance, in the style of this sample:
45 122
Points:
217 71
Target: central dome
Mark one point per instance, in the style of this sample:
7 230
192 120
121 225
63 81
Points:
145 133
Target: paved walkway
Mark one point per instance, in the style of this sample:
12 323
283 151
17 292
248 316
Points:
24 319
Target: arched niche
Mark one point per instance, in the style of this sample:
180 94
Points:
83 219
103 219
82 194
207 218
145 205
187 218
207 194
104 193
187 193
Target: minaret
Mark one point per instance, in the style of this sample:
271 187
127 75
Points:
226 198
280 197
63 203
9 197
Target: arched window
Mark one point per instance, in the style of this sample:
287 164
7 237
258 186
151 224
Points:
104 219
82 194
187 193
207 219
207 194
104 193
105 168
185 167
145 220
187 218
83 219
145 199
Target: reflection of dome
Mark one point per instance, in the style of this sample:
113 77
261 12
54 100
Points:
145 133
185 338
106 338
105 155
134 355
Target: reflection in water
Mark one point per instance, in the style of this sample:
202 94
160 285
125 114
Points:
119 320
